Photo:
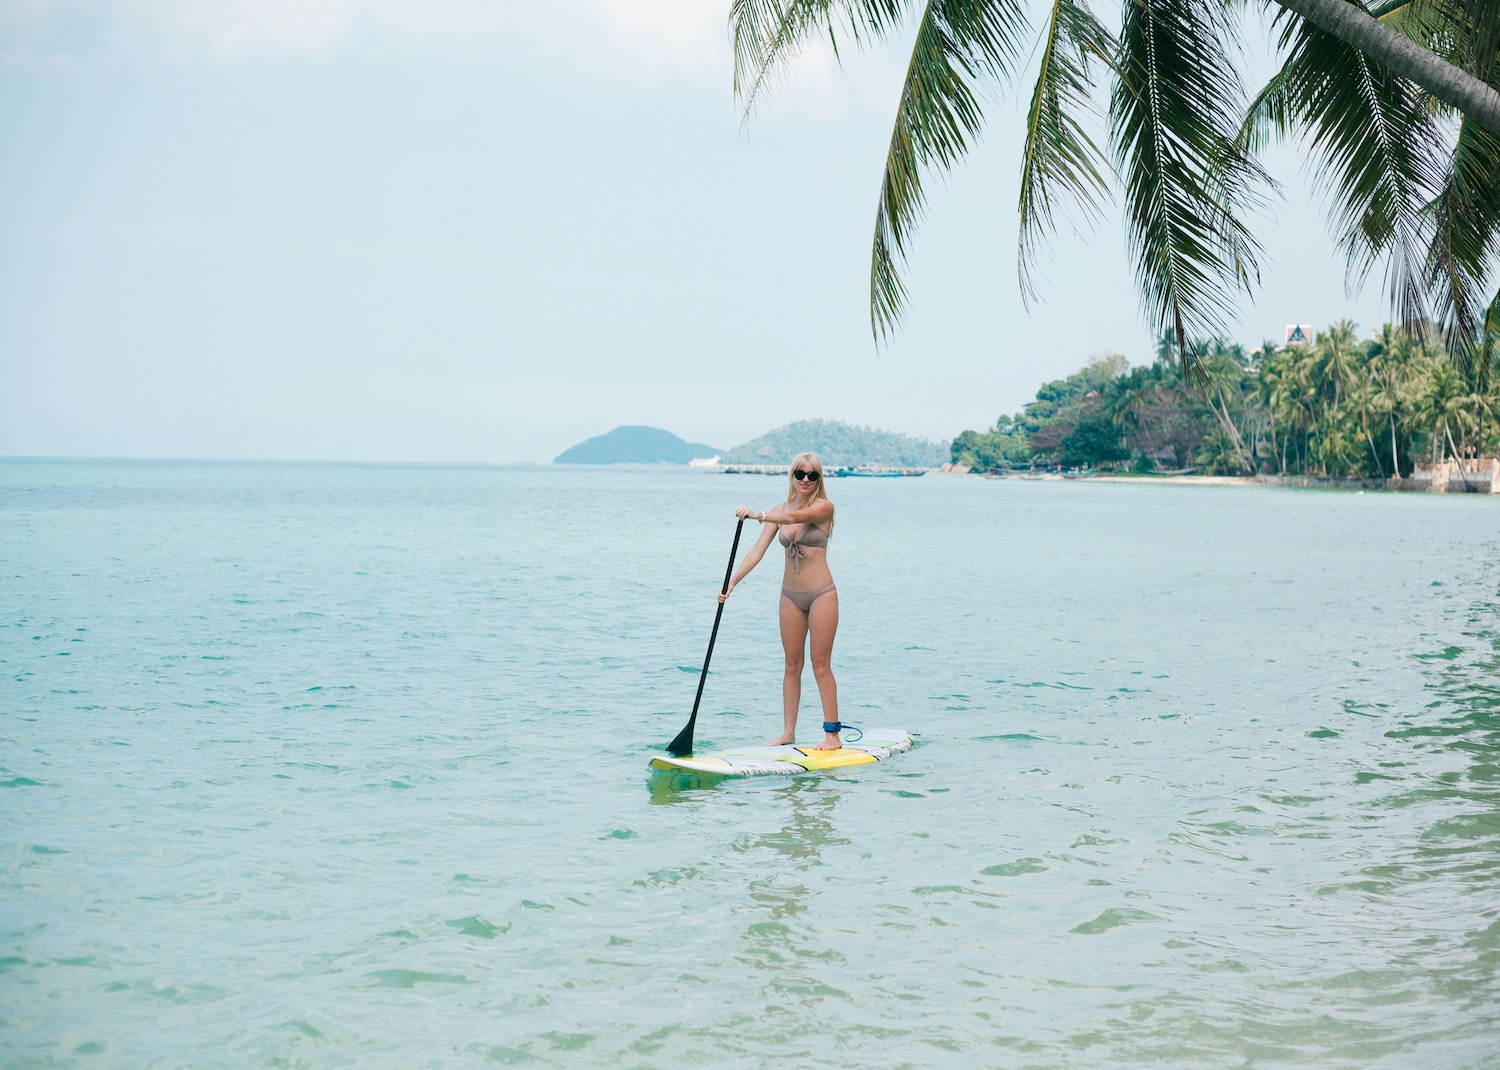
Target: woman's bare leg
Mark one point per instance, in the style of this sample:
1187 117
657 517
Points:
823 622
793 640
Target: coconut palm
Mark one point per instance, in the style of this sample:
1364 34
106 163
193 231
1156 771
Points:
1376 93
1362 400
1439 404
1335 445
1295 401
1334 352
1218 455
1387 399
1221 379
1272 371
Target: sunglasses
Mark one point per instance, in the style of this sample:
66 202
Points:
799 475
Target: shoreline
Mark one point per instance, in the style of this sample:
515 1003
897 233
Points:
1201 481
1484 486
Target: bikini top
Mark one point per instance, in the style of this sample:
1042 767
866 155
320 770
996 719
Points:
810 535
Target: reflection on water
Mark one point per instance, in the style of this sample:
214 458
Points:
808 830
779 924
681 787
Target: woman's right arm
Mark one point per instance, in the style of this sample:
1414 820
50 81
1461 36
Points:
752 558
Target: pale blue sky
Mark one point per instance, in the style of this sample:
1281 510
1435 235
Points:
464 231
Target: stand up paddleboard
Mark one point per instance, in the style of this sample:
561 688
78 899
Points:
875 745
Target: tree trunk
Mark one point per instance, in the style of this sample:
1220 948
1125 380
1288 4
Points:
1395 464
1374 452
1457 456
1230 431
1458 459
1404 57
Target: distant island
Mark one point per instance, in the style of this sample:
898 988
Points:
633 444
840 445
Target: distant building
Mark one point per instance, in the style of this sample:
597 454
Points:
1299 334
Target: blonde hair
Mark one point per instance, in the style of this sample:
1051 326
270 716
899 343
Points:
809 461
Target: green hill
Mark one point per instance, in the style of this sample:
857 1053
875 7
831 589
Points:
838 445
635 445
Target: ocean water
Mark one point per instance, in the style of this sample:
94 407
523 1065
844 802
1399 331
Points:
345 765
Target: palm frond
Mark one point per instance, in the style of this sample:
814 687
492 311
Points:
1466 33
766 32
1174 116
1465 215
1376 148
1268 117
1466 239
1414 18
958 44
1060 159
1484 360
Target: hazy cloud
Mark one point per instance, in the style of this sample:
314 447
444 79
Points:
638 42
649 37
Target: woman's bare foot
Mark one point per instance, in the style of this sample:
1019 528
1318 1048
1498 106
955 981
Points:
831 741
781 740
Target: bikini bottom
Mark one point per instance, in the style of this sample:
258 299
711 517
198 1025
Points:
804 600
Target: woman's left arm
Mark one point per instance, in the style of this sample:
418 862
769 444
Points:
819 512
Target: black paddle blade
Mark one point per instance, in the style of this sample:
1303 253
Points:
682 746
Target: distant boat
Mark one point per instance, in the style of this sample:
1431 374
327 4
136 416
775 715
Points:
703 462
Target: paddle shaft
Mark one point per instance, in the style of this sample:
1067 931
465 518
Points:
683 744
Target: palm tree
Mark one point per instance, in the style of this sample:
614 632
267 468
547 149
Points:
1268 381
1388 397
1374 93
1362 401
1294 399
1442 401
1335 354
1222 375
1335 445
1218 455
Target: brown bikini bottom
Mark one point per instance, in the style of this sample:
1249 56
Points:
804 600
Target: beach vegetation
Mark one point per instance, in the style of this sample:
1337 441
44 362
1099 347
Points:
1341 407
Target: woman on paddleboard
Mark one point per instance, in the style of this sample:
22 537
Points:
809 602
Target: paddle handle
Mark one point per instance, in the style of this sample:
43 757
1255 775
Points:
683 744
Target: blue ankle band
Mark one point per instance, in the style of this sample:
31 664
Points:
833 726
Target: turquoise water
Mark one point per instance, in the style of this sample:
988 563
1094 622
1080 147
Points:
308 765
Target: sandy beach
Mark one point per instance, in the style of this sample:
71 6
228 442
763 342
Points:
1182 480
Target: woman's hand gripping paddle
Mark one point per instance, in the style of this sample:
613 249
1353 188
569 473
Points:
683 744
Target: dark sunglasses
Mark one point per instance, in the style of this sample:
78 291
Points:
799 475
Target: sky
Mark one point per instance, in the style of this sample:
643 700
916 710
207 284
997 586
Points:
485 230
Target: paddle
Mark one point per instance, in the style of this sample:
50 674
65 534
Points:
683 744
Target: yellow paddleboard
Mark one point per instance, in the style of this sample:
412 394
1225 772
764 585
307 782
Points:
875 745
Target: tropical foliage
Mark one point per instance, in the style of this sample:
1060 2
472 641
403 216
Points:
1396 101
1340 407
